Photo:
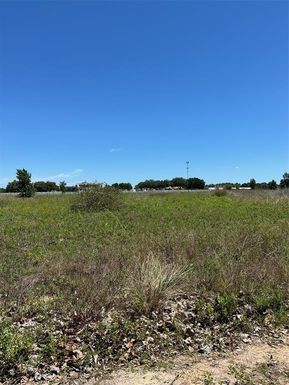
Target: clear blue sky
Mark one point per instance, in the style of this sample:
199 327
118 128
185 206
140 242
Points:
129 90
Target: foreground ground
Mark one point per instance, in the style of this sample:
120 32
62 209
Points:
258 363
84 291
252 364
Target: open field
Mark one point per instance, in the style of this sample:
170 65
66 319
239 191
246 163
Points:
87 289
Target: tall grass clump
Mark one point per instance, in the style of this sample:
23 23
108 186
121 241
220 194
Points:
155 282
97 198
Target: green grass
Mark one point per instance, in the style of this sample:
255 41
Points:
230 244
112 272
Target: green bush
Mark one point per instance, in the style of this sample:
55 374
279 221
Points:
14 346
97 198
265 300
226 305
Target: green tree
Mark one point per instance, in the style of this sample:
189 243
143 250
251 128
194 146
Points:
52 186
272 185
252 183
12 187
195 183
179 182
285 181
25 185
62 187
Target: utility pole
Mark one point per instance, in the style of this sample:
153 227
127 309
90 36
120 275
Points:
187 162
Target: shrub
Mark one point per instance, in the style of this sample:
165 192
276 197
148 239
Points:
14 346
220 193
268 299
97 198
226 305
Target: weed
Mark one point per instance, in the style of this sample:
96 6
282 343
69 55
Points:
268 299
226 305
240 375
15 346
209 379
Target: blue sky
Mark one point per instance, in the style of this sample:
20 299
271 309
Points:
130 90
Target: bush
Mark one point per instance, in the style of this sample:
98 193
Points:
97 198
15 347
220 193
264 300
226 305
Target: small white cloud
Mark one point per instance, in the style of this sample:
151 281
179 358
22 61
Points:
115 150
63 175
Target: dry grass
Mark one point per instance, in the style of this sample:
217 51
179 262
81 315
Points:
155 281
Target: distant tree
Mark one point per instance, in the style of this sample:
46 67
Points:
179 182
62 187
26 187
284 182
12 187
123 186
252 183
52 186
40 186
71 188
262 186
147 184
195 183
272 185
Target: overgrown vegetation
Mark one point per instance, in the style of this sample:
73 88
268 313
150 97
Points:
136 275
97 198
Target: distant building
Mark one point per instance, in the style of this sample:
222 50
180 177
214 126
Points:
86 186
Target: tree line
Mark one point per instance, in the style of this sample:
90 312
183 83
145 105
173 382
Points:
23 185
178 182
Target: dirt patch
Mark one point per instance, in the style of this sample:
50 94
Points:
256 363
257 360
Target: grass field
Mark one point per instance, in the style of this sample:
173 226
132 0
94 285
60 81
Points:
155 248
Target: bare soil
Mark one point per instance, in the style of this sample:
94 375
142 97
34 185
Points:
259 362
